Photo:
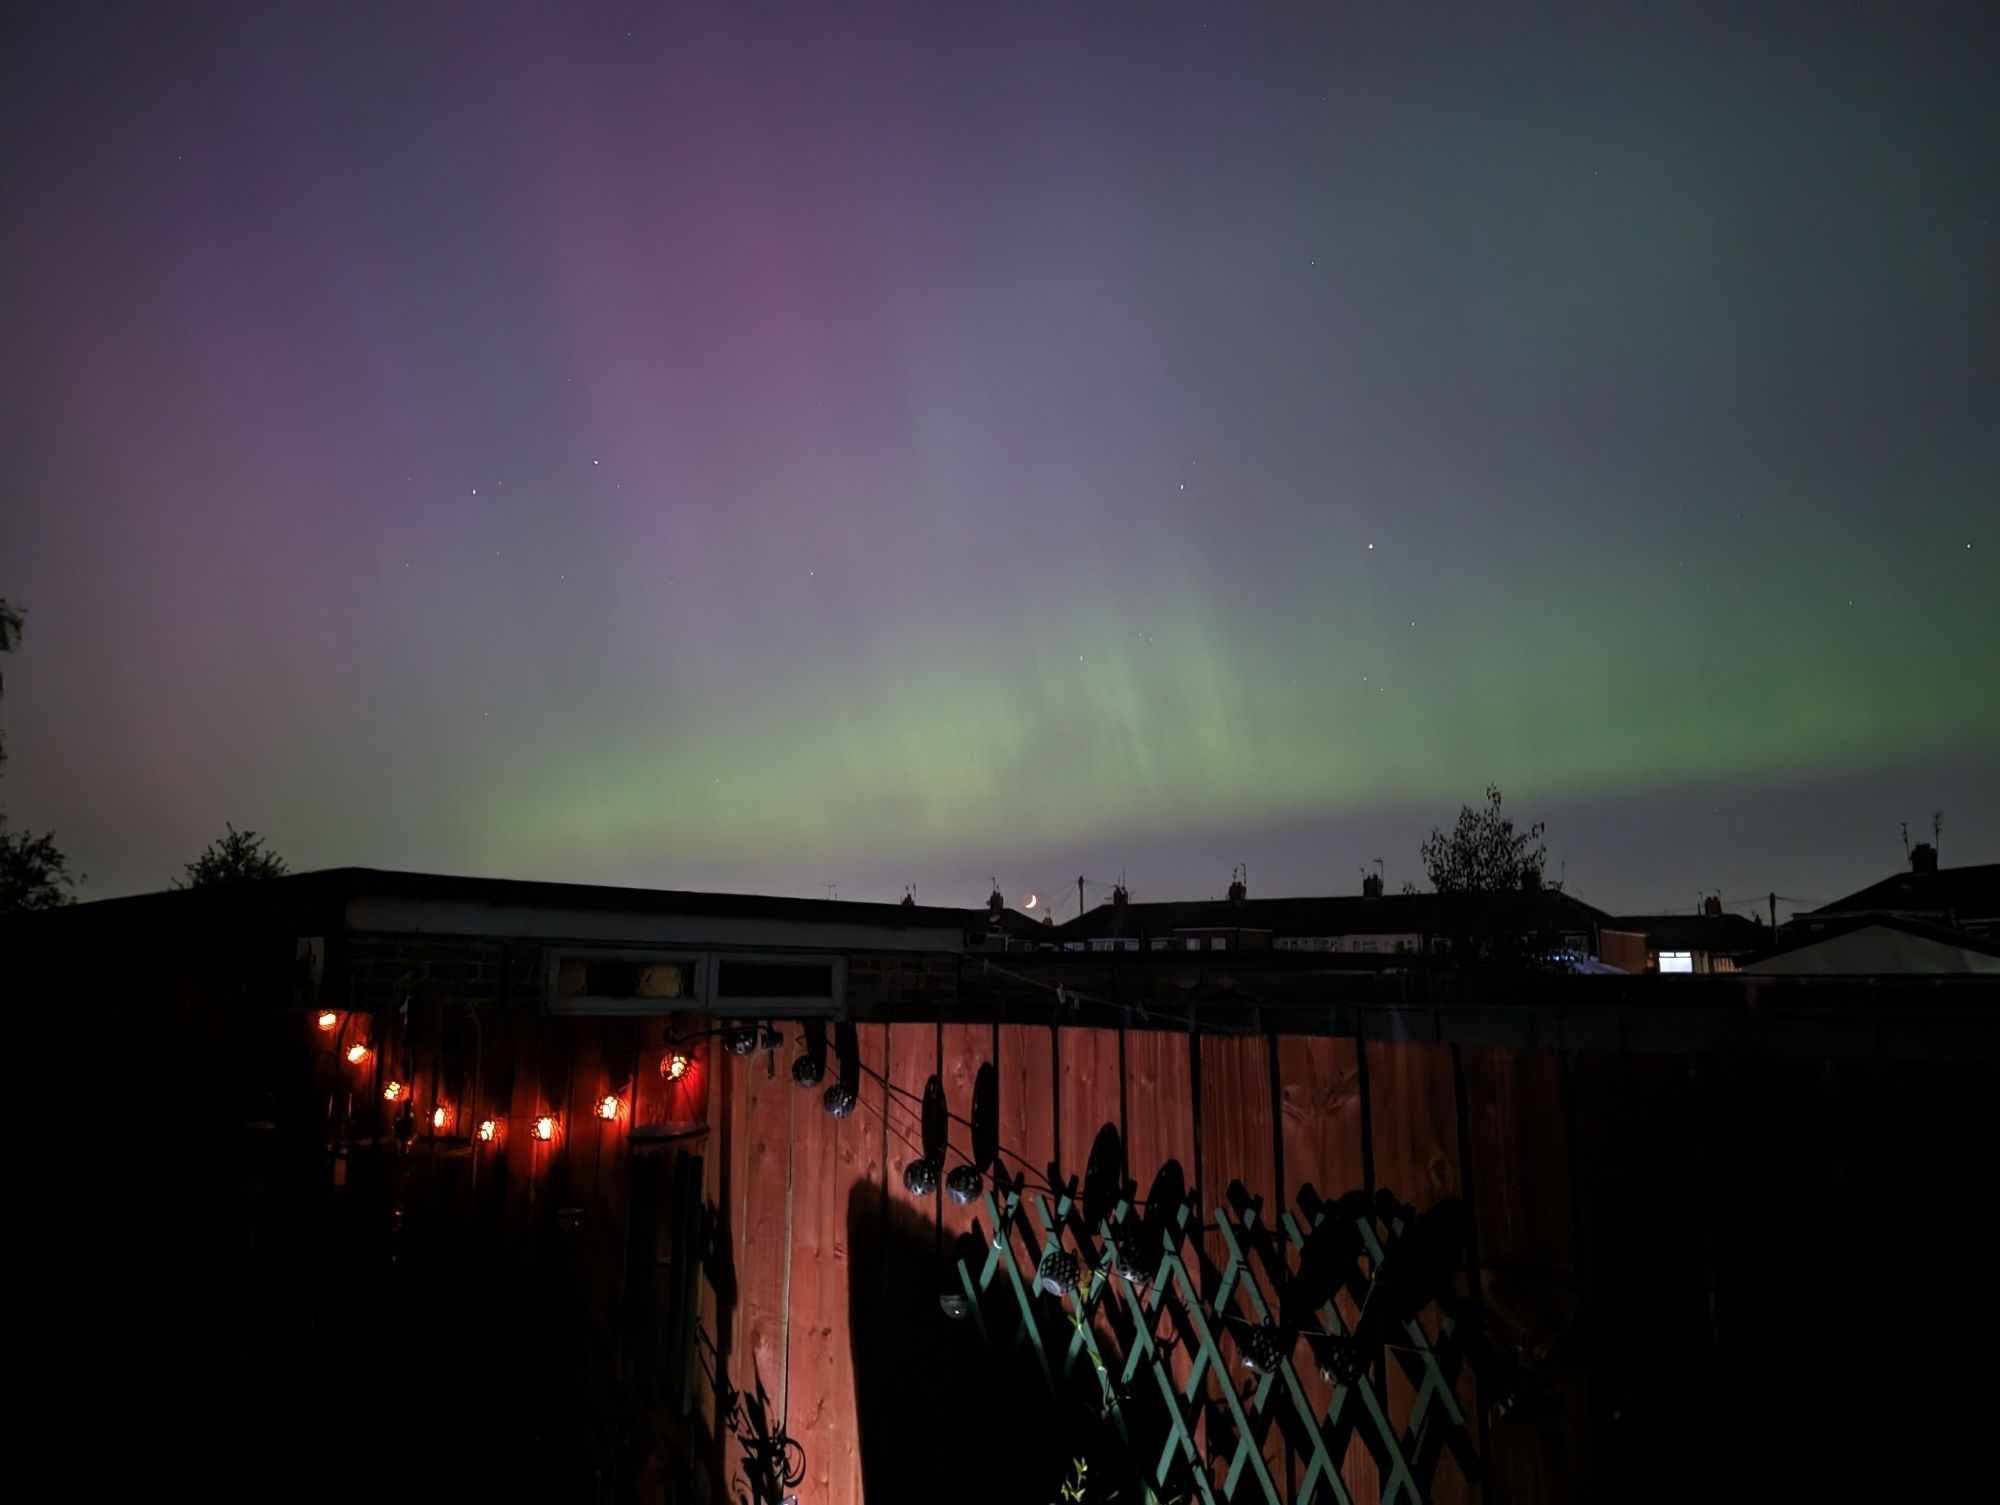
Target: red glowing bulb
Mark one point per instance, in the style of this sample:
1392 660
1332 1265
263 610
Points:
357 1053
489 1130
545 1127
328 1019
608 1107
393 1091
673 1066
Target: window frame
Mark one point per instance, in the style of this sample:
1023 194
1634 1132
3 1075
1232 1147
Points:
703 993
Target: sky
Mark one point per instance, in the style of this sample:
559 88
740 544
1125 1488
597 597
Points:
788 445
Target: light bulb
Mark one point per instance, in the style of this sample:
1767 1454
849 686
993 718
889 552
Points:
608 1107
328 1019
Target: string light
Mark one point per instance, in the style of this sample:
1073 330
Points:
393 1090
489 1130
964 1184
609 1107
807 1070
920 1177
1263 1349
839 1099
545 1127
357 1053
1058 1272
673 1066
740 1042
440 1117
328 1020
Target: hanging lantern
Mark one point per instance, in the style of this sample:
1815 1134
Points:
964 1184
839 1099
545 1127
356 1053
1341 1361
1058 1272
1519 1398
394 1091
609 1107
808 1070
920 1177
328 1020
740 1042
1128 1248
489 1130
673 1065
1263 1349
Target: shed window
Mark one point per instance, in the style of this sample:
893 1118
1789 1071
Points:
764 979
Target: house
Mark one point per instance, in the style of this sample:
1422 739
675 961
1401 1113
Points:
1951 898
1710 941
1372 924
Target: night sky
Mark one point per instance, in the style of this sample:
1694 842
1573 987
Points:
771 445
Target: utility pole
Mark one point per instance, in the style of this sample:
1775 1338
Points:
1774 911
1079 895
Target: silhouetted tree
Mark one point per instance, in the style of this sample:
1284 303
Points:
1497 912
1483 853
34 874
238 857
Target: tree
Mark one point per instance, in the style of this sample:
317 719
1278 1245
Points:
1484 854
1496 914
34 874
238 857
10 634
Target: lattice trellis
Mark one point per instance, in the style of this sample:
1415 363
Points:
1149 1300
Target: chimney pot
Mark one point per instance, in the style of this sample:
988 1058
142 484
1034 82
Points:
1531 879
1371 885
1712 905
1923 858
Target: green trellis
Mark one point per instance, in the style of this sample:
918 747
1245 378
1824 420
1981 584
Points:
1067 1335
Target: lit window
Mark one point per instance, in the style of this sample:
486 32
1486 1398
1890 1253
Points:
1677 961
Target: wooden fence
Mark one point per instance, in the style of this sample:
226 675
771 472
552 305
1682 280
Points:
1710 1271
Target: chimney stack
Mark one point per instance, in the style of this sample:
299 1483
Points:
1712 905
996 902
1923 858
1238 889
1371 885
1119 898
1531 880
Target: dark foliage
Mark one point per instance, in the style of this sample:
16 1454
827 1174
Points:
34 874
237 857
1483 853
